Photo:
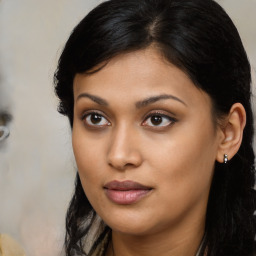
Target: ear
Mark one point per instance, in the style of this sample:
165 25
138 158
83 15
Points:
232 132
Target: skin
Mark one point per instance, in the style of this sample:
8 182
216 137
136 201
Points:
175 158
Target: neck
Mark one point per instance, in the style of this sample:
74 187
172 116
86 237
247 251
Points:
165 244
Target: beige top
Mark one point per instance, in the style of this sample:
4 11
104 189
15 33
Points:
9 247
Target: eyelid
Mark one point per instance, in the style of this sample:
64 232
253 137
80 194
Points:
91 112
146 117
162 114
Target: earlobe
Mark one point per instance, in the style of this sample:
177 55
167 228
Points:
232 133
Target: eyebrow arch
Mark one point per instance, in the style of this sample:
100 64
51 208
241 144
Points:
153 99
94 98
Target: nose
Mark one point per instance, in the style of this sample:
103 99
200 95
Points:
124 150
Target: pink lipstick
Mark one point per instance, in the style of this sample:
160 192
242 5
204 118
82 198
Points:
126 192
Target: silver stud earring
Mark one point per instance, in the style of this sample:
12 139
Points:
225 159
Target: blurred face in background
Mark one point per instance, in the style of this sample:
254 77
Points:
4 133
5 119
4 130
5 116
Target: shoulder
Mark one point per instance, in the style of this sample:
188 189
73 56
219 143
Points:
9 247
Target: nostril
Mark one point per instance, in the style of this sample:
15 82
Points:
117 165
125 162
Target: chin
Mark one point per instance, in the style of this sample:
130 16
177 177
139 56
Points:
132 225
139 230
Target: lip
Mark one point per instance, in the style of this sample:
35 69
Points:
126 192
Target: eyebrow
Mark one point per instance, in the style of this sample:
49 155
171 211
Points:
94 98
153 99
139 104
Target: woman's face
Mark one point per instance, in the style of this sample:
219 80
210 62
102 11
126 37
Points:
145 144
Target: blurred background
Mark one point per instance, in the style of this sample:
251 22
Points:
37 167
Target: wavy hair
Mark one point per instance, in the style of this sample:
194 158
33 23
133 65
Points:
198 37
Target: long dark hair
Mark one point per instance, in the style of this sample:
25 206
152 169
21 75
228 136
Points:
199 38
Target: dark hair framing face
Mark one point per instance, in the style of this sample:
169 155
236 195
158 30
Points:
198 37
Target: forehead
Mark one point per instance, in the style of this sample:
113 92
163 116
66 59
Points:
137 75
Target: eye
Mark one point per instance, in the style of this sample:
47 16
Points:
95 119
158 120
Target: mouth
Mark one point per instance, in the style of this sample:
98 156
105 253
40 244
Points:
126 192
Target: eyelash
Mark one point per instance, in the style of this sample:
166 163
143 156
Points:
170 121
95 126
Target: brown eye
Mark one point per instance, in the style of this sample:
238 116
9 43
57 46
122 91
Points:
95 119
156 120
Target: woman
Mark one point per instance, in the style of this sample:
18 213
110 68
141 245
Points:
158 96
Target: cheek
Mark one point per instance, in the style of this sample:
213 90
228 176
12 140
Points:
180 165
89 160
88 154
184 166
